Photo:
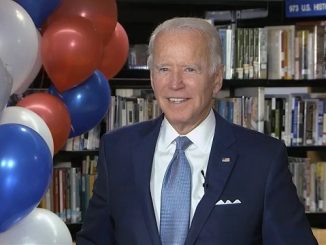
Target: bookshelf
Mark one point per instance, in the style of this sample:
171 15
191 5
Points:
141 27
76 159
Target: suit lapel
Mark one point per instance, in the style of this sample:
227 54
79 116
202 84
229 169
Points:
142 161
220 164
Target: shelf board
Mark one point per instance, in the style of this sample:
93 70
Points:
73 156
308 148
302 151
317 220
139 78
78 153
140 17
132 73
275 83
74 228
133 78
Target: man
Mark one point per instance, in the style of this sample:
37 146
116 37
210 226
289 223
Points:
227 185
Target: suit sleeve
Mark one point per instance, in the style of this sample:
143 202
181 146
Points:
284 219
97 226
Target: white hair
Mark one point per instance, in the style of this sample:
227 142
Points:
199 24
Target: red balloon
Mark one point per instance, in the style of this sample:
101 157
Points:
54 113
115 52
71 50
102 13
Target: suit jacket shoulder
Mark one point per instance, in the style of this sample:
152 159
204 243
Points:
134 131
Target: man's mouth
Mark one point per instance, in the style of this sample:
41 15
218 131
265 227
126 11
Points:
177 100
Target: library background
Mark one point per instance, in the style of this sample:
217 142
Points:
274 82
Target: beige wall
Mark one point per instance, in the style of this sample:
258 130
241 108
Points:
320 235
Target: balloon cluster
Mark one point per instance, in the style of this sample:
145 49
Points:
80 45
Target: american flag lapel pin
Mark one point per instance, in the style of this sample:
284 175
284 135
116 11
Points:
226 159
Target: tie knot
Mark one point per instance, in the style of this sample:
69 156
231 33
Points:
182 142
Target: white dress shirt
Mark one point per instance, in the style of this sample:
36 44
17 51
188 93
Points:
197 154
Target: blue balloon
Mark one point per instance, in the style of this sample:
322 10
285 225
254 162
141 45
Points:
39 10
25 172
87 103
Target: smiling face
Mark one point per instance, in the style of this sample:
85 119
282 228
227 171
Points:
181 78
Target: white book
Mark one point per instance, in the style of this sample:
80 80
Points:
310 56
283 38
274 54
226 43
127 92
76 143
258 92
90 140
229 54
69 144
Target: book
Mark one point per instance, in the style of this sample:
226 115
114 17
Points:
310 119
226 43
260 53
274 47
239 52
317 41
257 107
303 71
281 43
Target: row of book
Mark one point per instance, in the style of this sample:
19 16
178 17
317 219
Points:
297 119
130 106
87 141
127 107
70 189
296 51
310 181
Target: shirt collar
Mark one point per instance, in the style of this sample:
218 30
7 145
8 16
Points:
201 136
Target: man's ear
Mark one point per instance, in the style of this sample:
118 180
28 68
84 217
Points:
218 79
151 78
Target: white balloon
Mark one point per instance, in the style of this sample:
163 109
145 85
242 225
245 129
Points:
5 86
40 227
19 43
24 116
35 70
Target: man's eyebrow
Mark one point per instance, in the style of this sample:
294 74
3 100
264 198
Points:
192 65
195 66
160 65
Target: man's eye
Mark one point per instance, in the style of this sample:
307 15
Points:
163 69
190 69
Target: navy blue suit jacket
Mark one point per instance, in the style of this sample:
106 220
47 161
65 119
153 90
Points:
243 164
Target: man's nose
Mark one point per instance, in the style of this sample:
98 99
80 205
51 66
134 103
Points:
177 81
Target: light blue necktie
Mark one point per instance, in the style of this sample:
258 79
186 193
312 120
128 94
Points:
176 197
